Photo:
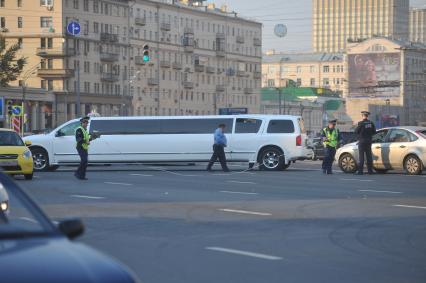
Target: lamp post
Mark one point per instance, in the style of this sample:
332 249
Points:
25 77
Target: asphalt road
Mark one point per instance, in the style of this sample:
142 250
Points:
181 224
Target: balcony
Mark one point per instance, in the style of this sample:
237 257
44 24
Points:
139 60
109 37
165 26
220 35
188 48
164 64
139 21
199 68
248 90
210 70
188 84
257 41
109 57
220 88
110 77
177 65
240 39
241 73
188 30
55 52
257 75
153 81
55 73
220 53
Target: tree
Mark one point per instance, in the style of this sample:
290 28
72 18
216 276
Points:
10 67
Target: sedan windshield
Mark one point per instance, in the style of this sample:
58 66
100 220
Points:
16 218
8 138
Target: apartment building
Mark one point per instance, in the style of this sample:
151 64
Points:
335 22
201 58
387 77
418 25
323 70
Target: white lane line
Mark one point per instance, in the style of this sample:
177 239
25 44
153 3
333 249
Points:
240 193
244 212
244 253
113 183
143 175
409 206
37 177
88 197
361 180
241 182
374 191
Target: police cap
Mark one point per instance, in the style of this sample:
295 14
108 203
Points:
334 121
85 119
365 113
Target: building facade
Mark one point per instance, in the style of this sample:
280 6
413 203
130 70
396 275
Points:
418 25
319 70
335 22
387 78
201 58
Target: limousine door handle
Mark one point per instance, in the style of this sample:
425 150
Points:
378 147
402 146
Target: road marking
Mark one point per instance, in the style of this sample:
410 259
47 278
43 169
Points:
123 184
143 175
361 180
410 206
240 182
241 193
244 212
374 191
37 177
88 197
245 253
171 172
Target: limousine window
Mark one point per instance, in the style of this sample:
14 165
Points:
159 126
69 130
247 126
280 127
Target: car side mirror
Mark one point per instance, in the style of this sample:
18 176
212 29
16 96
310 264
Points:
59 134
72 228
28 143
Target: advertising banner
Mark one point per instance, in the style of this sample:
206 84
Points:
374 75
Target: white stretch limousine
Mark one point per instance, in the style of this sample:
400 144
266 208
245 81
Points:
270 140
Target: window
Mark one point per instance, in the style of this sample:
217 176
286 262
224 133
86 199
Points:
298 81
75 4
325 81
312 69
86 5
399 135
19 3
312 83
96 6
247 126
19 22
69 130
45 22
46 2
326 69
298 69
271 82
2 3
380 136
280 127
2 22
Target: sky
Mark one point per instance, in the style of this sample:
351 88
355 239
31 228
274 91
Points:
295 14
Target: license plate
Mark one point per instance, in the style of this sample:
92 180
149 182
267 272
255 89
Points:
9 163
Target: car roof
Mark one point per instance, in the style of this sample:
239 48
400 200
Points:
6 130
412 128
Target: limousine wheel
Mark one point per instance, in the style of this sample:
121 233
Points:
271 159
347 163
412 165
40 159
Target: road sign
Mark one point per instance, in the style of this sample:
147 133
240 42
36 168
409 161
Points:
16 110
1 108
232 111
73 28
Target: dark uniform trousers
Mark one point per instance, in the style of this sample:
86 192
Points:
81 170
329 154
218 152
364 148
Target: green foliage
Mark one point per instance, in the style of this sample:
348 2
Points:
10 66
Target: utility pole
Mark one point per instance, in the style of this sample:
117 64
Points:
78 106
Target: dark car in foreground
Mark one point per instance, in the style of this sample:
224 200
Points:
32 249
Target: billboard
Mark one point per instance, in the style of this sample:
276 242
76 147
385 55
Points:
374 75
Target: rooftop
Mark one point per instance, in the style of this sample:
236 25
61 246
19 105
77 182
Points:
302 57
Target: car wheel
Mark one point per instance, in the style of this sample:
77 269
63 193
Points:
347 163
40 159
271 159
381 171
412 165
28 176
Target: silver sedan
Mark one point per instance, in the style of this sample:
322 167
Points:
393 148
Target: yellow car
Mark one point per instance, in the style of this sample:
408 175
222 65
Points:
15 157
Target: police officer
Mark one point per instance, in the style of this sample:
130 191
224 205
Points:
331 138
83 139
219 145
365 131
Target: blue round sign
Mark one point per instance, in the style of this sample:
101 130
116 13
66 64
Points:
16 111
73 28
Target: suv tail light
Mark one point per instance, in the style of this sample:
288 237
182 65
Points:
299 140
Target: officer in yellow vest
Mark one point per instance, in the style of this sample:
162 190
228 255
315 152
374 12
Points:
83 140
331 138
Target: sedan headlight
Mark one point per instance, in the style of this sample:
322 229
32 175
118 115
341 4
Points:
4 205
27 154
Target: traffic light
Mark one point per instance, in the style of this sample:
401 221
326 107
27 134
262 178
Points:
146 53
10 108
